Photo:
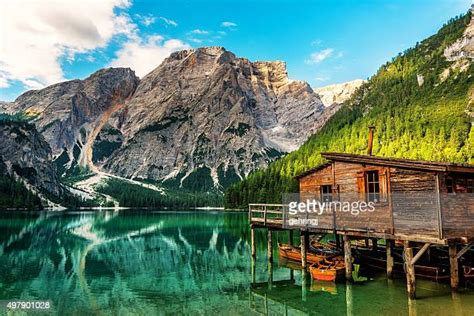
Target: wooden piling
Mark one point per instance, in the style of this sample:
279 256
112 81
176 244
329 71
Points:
270 246
253 268
453 267
270 275
304 244
338 242
409 270
290 237
390 262
304 284
374 244
348 257
252 242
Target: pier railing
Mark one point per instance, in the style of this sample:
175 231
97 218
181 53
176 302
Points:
266 214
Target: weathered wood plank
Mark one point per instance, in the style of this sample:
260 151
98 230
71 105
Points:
348 257
409 270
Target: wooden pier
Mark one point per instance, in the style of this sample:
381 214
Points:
418 204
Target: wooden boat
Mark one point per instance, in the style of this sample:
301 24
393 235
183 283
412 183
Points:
468 273
326 270
326 250
290 252
378 261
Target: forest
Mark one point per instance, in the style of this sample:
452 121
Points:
132 195
420 104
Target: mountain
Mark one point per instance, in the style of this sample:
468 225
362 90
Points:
25 163
337 94
205 118
200 121
421 104
70 114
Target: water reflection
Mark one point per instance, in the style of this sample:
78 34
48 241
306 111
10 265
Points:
123 261
183 263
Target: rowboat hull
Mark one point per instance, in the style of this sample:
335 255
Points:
294 253
468 273
327 270
425 272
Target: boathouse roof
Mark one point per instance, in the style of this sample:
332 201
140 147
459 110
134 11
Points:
391 162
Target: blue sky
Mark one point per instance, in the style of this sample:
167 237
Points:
323 42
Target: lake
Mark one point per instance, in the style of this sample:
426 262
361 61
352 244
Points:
196 262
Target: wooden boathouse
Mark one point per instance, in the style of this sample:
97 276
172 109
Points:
417 203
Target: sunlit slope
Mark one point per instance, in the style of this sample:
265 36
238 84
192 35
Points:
420 103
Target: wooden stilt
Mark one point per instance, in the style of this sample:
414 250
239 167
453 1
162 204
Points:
348 257
389 245
252 242
349 300
453 266
253 270
338 242
367 243
290 237
374 244
304 244
304 285
270 275
409 270
270 246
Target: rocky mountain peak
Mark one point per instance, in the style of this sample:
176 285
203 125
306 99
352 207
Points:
67 113
338 93
463 47
203 113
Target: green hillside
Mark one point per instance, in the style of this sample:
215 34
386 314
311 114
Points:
427 122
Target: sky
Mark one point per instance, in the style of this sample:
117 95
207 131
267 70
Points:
322 42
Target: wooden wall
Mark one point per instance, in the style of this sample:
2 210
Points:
457 207
410 204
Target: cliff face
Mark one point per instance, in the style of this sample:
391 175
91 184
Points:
205 111
337 94
464 46
26 156
67 113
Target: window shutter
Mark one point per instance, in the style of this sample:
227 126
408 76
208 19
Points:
383 185
360 186
360 182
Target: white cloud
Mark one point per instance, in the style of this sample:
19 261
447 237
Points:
147 20
36 35
316 42
319 56
322 78
168 21
196 40
199 32
145 55
228 24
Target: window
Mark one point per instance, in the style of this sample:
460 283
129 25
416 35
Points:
372 186
449 185
326 193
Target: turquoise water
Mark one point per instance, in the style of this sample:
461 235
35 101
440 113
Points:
152 263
